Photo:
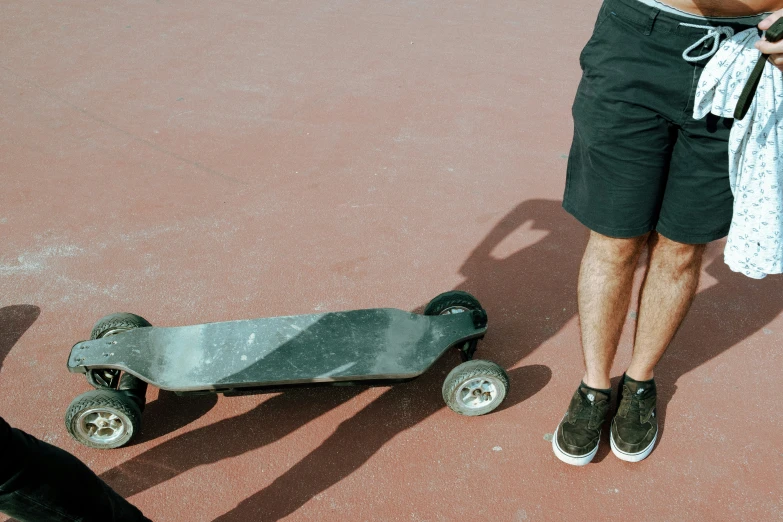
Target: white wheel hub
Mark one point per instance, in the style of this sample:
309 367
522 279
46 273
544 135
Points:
478 392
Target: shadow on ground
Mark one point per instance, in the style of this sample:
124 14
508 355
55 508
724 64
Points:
530 294
721 317
15 320
527 304
170 412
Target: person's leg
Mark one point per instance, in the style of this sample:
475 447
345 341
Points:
639 162
44 483
615 181
666 295
605 282
604 293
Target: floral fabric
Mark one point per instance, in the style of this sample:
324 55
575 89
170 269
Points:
755 242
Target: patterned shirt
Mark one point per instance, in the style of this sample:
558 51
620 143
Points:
755 243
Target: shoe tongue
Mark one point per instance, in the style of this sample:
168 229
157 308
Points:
592 395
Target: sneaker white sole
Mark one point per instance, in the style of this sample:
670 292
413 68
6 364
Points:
632 457
572 459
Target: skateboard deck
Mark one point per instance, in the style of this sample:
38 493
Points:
351 346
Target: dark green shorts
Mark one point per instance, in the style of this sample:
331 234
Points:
639 161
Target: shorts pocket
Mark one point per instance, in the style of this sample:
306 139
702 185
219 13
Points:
603 15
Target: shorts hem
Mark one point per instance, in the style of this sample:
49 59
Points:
692 239
620 233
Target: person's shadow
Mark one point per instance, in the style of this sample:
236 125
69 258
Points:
529 294
15 320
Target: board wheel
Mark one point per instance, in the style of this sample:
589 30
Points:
475 387
453 302
116 323
105 379
103 419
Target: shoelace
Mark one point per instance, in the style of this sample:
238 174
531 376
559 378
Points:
712 32
633 403
584 411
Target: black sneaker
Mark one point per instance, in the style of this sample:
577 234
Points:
576 438
635 427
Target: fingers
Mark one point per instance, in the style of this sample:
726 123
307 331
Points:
774 50
769 47
771 19
777 61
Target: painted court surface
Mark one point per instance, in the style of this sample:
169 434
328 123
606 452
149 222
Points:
196 162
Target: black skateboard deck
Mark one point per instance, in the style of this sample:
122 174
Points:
351 346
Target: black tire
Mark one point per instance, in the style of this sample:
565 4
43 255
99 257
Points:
456 300
106 326
134 388
103 419
116 323
483 382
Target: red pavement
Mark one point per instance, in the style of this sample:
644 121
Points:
196 162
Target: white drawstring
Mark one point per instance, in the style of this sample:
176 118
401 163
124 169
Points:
712 32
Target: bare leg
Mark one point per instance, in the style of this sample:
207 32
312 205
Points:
605 284
667 292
